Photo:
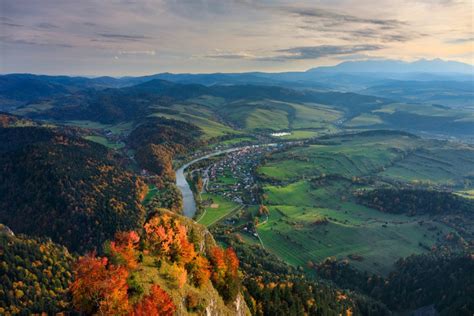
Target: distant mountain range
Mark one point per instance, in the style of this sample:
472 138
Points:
435 66
434 81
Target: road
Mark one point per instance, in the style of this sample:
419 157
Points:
189 205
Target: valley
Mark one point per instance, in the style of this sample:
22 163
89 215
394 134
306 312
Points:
340 194
310 191
237 158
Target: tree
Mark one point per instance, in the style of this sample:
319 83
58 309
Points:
199 184
200 271
263 210
122 250
225 276
100 287
178 275
158 302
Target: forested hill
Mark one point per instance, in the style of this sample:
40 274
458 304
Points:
137 102
55 184
65 188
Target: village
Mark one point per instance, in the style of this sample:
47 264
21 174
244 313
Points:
233 176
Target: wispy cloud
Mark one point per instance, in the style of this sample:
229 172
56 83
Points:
316 52
124 37
218 54
297 53
460 40
137 52
333 18
10 40
46 25
6 22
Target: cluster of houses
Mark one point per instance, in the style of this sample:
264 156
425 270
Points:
233 176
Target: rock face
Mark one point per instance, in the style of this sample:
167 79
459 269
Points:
240 306
208 297
237 308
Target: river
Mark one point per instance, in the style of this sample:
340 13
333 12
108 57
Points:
189 205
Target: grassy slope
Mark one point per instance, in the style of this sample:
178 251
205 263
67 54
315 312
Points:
361 156
292 234
296 206
438 163
212 215
199 111
104 141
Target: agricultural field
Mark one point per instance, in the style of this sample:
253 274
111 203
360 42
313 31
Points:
104 141
114 128
318 223
365 119
278 115
440 163
314 214
300 134
217 207
346 156
430 118
236 141
199 116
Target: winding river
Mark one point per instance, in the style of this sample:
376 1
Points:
189 205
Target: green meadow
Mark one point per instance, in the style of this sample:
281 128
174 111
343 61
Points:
311 220
217 210
104 141
346 156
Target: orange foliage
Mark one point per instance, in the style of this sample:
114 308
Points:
224 262
158 302
225 276
159 234
142 189
123 249
200 271
178 275
100 287
218 262
168 238
232 261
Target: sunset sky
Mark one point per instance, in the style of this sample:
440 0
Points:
135 37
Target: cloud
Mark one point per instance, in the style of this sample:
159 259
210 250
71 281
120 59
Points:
359 57
460 40
46 25
10 40
334 19
124 37
316 52
230 55
376 34
137 52
297 53
6 22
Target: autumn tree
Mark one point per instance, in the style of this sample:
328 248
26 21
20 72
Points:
225 276
200 271
122 251
263 210
158 302
178 275
100 287
168 238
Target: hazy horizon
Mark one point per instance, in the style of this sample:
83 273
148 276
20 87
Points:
223 72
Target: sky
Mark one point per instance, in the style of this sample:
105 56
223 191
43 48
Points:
138 37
